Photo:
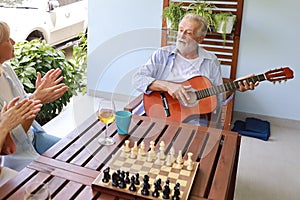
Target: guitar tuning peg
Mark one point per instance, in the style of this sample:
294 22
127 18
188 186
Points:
273 82
279 81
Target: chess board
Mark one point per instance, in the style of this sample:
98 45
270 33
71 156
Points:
122 161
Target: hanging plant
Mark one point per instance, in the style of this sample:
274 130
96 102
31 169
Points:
173 14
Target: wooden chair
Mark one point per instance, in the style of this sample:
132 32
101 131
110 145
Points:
227 54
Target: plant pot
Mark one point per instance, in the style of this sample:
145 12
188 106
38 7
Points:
226 26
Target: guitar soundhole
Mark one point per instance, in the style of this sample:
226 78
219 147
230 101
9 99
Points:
193 99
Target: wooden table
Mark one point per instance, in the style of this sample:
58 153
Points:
72 164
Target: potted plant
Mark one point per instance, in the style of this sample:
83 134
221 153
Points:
37 56
224 23
205 10
173 14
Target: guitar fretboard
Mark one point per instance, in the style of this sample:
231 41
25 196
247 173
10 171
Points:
227 87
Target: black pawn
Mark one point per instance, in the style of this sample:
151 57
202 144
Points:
176 192
166 191
155 193
127 180
132 185
159 184
137 177
145 190
146 181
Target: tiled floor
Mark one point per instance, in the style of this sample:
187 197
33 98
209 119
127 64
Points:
267 170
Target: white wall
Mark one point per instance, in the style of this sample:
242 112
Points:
123 35
270 39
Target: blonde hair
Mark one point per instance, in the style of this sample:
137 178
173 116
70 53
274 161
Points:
200 20
4 29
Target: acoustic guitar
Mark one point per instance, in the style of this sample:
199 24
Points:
203 96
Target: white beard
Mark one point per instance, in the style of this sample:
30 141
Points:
186 46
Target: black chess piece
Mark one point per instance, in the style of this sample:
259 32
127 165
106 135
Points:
127 180
137 177
122 183
146 181
106 175
166 191
132 186
115 179
158 181
155 193
145 190
176 192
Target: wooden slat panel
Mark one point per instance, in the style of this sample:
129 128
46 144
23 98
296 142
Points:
222 178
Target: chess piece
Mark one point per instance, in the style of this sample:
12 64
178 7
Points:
137 181
115 179
126 147
190 163
135 148
127 180
106 175
157 161
122 183
149 157
123 153
168 162
179 157
172 154
132 186
132 153
176 192
146 186
162 150
142 148
158 181
179 160
152 150
166 191
155 193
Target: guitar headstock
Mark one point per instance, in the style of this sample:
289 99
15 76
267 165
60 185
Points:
279 74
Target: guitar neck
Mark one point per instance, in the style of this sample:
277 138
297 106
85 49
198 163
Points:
227 87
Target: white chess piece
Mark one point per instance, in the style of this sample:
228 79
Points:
168 162
172 154
179 157
149 157
158 159
135 148
142 148
162 150
126 147
190 163
132 153
152 150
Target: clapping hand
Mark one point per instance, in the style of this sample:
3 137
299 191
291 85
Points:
13 113
49 88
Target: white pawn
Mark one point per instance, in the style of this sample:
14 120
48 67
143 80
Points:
152 150
123 153
157 161
172 154
132 153
142 149
126 147
179 159
149 157
135 148
162 150
168 162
